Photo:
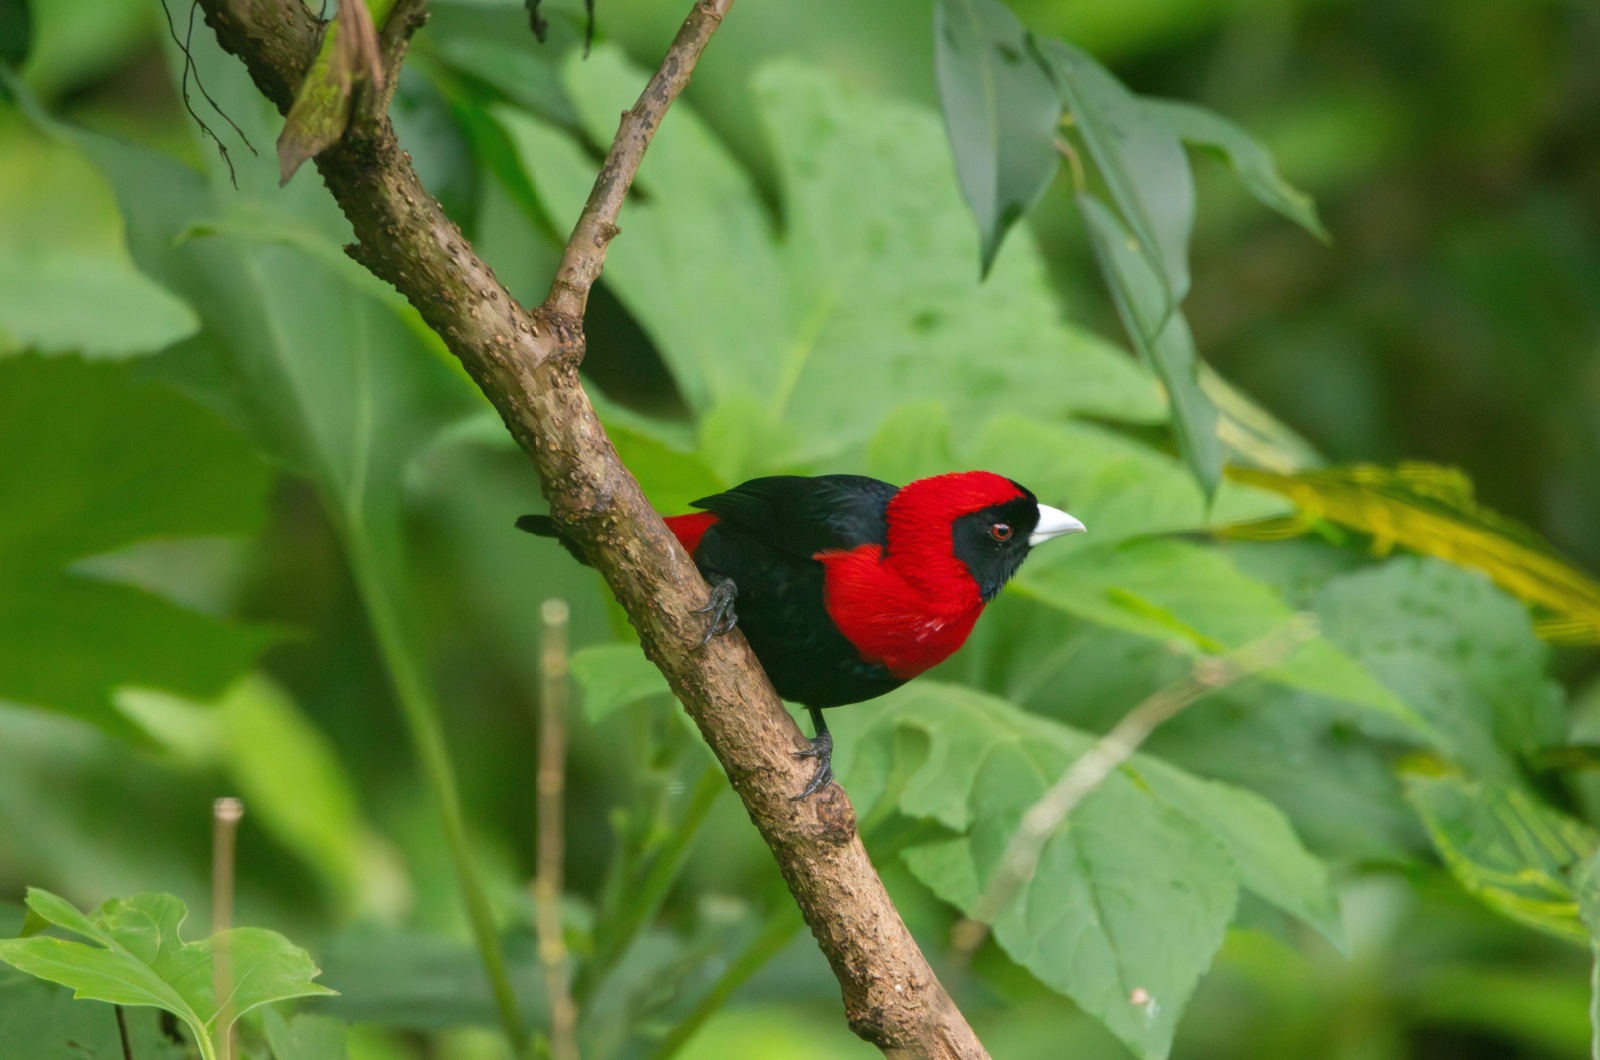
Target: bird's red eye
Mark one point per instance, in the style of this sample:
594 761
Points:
1000 531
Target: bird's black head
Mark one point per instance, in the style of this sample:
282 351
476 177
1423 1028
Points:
993 541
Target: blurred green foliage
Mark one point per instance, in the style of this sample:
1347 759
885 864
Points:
252 516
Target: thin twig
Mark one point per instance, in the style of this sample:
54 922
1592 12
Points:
225 815
551 781
1021 858
1080 183
597 225
122 1032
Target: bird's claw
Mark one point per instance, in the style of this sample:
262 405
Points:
822 750
720 608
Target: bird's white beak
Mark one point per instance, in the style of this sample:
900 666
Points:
1053 522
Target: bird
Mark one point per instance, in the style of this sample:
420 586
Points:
845 586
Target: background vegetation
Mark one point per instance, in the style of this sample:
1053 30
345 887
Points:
255 530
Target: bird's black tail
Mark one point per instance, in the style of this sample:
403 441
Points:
544 526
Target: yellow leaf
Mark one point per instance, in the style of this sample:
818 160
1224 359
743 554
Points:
1430 509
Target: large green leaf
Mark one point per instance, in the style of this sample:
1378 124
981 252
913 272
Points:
1194 596
1510 850
859 304
1131 896
91 461
137 957
1458 651
1001 110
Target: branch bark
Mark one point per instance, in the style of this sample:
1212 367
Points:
526 362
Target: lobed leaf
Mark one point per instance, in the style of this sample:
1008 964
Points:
139 958
857 303
1131 896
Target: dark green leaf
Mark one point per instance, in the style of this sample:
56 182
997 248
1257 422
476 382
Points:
1161 335
1144 168
42 1021
1250 160
1458 651
16 32
1001 110
91 461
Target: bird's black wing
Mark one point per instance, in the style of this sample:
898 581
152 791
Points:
804 516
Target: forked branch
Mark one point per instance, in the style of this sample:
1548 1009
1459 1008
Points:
526 362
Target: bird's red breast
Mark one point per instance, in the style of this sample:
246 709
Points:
889 619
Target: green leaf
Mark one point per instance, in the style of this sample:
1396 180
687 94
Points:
614 675
1144 169
1193 596
289 775
1131 896
16 32
1250 160
670 478
912 442
1001 110
1431 509
862 303
1510 851
309 1037
139 958
1161 335
1458 651
67 302
42 1021
321 108
91 461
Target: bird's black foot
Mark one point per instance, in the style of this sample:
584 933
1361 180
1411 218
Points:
723 618
822 750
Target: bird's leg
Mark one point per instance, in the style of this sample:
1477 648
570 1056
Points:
822 750
720 608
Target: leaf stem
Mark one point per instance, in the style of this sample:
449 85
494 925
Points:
781 926
225 816
421 716
658 880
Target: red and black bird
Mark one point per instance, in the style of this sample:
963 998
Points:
847 587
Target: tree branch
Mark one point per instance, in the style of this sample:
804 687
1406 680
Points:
526 362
